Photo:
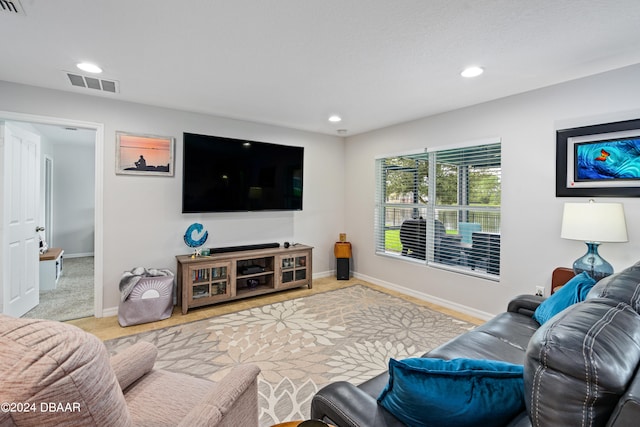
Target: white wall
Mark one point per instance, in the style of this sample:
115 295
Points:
74 203
143 223
531 214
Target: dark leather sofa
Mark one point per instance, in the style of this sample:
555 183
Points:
581 367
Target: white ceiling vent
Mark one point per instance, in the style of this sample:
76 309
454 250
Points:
12 7
92 82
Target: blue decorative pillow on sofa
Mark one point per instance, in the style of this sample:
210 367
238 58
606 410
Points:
453 393
575 290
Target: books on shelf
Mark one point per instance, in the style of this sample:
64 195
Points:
206 274
200 275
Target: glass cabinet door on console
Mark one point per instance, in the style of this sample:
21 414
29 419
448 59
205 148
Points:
209 282
293 269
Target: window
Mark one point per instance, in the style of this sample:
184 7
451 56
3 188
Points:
442 208
401 205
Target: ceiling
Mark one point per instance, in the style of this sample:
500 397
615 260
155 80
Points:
293 63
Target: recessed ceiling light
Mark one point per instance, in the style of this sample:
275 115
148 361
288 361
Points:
472 72
335 118
89 68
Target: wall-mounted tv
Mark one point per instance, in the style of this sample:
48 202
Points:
230 175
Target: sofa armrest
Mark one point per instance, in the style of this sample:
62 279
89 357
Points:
232 402
201 415
134 362
627 411
345 405
525 304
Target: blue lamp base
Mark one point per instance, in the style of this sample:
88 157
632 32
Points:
593 263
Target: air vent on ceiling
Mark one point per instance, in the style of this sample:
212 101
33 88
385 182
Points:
12 6
92 82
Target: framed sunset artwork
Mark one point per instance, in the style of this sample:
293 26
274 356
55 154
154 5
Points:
138 154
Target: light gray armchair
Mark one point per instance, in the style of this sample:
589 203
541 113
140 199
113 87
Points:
56 374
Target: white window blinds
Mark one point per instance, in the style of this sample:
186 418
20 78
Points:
442 208
401 205
464 214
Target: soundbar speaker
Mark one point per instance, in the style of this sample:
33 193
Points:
244 248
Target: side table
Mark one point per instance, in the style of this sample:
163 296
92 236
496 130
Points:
559 277
50 268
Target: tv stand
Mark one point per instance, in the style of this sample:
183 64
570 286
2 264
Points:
206 280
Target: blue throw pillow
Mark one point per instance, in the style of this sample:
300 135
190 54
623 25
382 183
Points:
575 290
453 393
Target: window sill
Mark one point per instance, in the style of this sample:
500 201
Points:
402 258
464 270
452 268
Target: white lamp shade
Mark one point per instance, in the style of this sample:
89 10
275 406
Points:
594 222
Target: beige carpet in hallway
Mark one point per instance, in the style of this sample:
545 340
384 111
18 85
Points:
73 296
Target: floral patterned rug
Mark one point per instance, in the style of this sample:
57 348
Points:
302 344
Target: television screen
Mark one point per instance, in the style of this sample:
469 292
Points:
225 175
613 159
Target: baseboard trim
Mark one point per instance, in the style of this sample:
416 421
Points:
78 255
426 297
111 311
322 274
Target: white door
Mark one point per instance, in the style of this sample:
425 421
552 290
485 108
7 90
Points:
20 155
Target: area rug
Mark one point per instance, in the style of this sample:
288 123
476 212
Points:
302 344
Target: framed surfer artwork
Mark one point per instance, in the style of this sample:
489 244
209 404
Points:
599 160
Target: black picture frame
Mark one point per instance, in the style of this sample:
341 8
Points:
563 166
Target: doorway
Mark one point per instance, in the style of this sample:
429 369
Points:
48 201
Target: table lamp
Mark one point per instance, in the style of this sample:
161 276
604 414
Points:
593 223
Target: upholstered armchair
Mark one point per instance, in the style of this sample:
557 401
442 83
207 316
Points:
53 373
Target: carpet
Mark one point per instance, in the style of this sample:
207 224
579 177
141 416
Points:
302 344
73 296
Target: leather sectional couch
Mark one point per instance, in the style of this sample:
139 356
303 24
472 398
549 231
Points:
581 367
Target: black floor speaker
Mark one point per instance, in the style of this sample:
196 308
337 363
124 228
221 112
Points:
342 268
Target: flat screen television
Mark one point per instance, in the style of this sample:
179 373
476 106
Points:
230 175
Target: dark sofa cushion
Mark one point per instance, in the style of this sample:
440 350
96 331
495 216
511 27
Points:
623 286
505 337
580 363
